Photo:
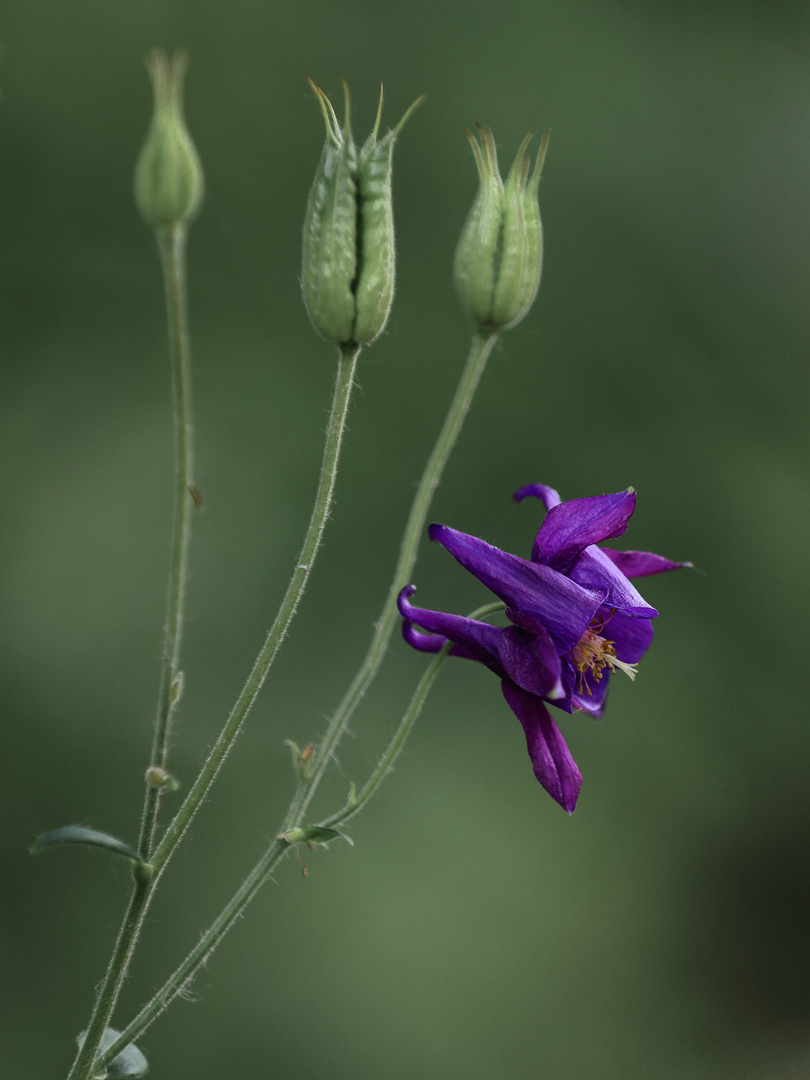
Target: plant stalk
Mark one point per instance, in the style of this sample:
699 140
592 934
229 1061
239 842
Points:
86 1060
480 349
172 248
476 362
347 364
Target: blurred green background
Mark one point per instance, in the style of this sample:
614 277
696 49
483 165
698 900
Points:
474 931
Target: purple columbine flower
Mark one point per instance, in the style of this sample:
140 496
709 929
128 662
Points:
575 619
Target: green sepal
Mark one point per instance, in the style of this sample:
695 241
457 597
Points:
314 834
476 255
130 1062
375 284
347 274
330 229
78 834
500 253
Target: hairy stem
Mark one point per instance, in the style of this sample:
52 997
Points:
479 353
176 982
86 1060
476 361
320 512
172 247
359 799
113 979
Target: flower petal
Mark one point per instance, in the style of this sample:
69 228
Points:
574 525
547 495
642 563
551 759
631 637
589 694
560 605
531 660
595 570
471 639
430 643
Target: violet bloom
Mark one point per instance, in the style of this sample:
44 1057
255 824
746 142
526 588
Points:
575 616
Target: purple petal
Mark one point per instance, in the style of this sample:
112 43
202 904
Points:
547 495
473 640
431 643
631 637
560 605
574 525
531 660
589 694
642 563
551 759
595 570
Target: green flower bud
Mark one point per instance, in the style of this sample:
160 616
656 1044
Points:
500 253
169 183
347 274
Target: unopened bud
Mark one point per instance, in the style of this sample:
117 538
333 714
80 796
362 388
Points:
347 275
500 253
169 184
157 777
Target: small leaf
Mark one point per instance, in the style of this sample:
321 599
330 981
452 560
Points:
296 750
302 759
313 834
77 834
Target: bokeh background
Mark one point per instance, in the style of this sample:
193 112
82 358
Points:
474 930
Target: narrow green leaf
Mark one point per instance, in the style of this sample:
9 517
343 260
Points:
314 834
78 834
130 1062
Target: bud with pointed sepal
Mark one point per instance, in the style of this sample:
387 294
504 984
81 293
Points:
500 253
347 275
169 185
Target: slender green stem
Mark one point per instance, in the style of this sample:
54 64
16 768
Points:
359 799
143 890
343 385
111 986
259 874
216 932
198 956
172 248
476 361
239 901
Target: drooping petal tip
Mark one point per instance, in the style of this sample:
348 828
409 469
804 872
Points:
551 759
547 495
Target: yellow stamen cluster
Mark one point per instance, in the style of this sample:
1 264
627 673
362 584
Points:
593 653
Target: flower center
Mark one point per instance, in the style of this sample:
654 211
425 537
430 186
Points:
593 653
